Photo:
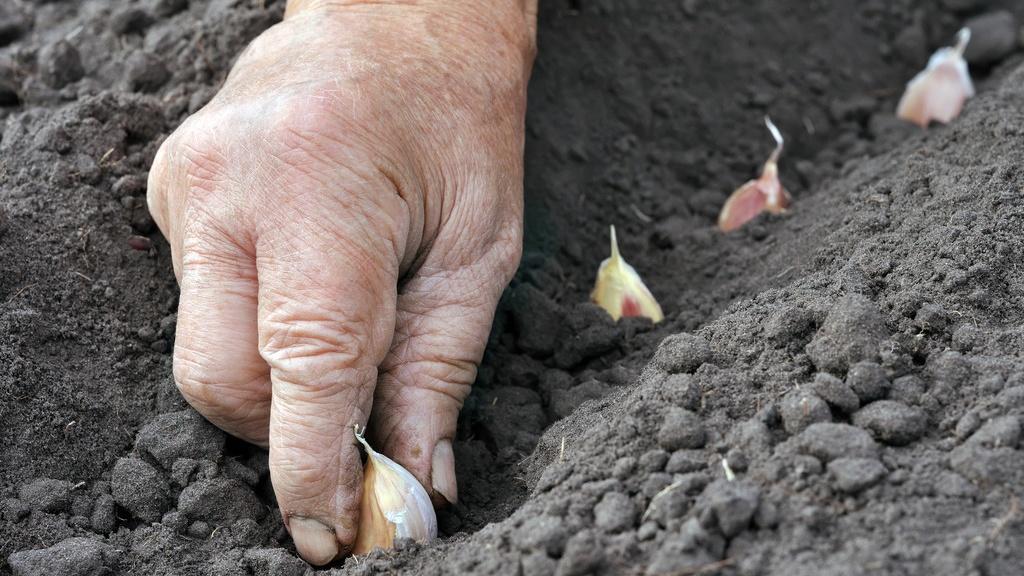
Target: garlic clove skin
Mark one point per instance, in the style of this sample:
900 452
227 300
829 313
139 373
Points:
940 90
394 505
620 291
765 194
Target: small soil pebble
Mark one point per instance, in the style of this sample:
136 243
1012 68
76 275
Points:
868 381
732 503
71 557
199 529
851 332
140 488
13 509
46 495
1004 431
907 389
681 429
682 353
954 485
994 36
183 434
538 563
853 475
536 319
681 390
542 532
81 505
653 460
615 512
175 521
892 422
104 517
836 392
588 332
752 436
60 64
220 502
828 441
246 532
685 552
685 461
801 408
145 72
130 20
583 555
128 185
274 562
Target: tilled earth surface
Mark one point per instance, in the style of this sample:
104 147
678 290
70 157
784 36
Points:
838 390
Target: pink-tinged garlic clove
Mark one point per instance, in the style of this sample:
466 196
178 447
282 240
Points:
765 194
939 91
620 291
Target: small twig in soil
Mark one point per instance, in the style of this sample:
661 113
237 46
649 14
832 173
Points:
640 215
809 126
783 273
18 293
1007 518
105 156
661 493
84 276
561 451
729 474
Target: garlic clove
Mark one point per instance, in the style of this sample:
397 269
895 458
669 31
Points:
394 505
940 90
765 194
620 291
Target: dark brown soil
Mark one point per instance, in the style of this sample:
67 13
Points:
856 362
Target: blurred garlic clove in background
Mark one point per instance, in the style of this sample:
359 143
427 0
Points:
940 90
765 194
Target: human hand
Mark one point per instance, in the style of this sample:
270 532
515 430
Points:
343 218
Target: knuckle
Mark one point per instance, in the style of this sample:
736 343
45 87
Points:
312 125
450 380
192 159
229 402
509 250
314 352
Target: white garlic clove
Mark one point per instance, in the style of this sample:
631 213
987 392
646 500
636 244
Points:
765 194
394 505
940 90
620 291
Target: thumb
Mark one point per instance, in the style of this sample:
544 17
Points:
443 322
326 316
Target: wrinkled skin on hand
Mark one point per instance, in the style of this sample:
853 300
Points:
343 218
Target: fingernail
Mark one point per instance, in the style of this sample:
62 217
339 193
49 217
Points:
314 540
442 470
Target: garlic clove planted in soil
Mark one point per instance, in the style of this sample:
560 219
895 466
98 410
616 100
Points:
940 90
394 505
765 194
620 291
